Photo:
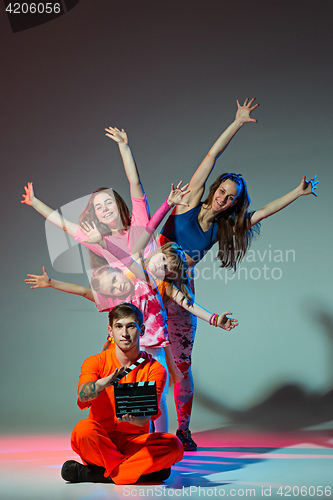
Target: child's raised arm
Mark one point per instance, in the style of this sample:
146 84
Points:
131 169
44 281
51 215
175 197
218 320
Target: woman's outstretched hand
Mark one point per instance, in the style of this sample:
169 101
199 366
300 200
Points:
243 112
42 281
92 233
308 187
177 194
226 323
29 195
117 135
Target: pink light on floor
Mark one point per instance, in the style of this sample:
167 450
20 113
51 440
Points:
39 442
246 455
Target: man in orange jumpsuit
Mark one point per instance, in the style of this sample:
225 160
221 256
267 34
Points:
119 450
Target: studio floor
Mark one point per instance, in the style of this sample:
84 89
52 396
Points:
229 462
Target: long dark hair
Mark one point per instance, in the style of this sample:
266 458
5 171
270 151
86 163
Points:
89 215
234 233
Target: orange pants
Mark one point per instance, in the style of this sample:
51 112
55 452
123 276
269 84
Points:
125 457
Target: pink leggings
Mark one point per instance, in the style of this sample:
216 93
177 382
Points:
182 327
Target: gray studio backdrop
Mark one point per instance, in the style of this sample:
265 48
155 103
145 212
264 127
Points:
170 74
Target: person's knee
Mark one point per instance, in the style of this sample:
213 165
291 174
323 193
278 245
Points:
84 426
84 430
169 445
185 368
175 448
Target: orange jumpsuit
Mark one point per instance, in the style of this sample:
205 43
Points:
124 450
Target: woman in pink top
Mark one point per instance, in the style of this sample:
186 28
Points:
106 208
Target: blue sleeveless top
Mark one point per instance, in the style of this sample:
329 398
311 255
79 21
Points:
185 230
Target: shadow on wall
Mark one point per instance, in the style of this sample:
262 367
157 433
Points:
289 407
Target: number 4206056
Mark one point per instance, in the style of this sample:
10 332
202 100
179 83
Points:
302 491
33 8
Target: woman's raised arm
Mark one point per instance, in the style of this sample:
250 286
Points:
51 215
197 183
305 188
131 169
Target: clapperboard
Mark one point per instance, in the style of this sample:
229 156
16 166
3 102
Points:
136 398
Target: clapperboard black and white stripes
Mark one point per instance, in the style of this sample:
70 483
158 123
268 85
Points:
136 398
127 370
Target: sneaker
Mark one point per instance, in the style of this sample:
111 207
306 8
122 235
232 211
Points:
155 477
74 472
185 437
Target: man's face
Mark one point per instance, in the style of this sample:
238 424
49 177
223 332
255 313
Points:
126 333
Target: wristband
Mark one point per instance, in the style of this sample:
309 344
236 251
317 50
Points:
157 217
213 319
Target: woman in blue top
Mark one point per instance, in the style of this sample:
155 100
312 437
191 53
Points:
224 218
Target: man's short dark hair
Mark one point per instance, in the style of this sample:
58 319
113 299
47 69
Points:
123 311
